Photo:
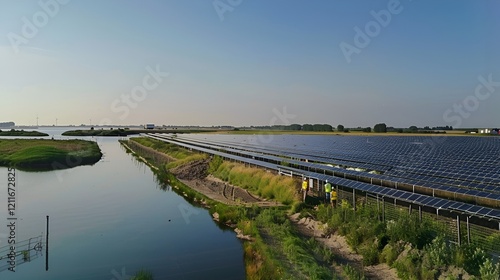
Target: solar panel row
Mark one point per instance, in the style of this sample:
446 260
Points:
414 198
458 186
397 154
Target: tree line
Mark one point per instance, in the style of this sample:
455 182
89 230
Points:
378 128
297 127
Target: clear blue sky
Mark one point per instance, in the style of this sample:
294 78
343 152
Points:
241 65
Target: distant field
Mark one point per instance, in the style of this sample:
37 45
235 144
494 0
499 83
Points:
46 154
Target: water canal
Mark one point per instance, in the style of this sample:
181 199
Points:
112 219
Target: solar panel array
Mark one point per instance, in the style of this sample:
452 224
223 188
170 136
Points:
384 154
465 162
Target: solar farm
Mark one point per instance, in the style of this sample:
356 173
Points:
451 178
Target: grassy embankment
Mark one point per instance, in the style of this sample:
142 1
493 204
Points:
45 154
182 156
23 133
277 251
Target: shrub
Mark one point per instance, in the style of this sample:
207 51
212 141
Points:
493 242
390 253
489 271
370 254
408 228
470 258
439 252
409 266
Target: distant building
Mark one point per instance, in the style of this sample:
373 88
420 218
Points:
149 126
489 131
7 124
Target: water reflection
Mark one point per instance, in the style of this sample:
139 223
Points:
119 216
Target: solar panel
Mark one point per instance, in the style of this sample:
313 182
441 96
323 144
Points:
443 169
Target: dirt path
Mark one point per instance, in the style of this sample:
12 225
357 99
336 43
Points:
343 253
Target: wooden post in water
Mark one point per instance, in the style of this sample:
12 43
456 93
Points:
47 247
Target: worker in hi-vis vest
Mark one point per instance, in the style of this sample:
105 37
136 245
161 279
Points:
304 189
333 198
328 190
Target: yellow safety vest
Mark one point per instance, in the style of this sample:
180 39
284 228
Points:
333 196
304 185
328 187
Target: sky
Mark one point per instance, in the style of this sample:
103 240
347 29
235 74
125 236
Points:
250 62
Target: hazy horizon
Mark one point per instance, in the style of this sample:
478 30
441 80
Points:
242 63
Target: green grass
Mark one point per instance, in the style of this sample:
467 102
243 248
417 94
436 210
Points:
45 154
172 150
23 133
257 181
180 162
305 256
143 275
182 155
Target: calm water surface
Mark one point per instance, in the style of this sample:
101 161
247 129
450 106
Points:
112 219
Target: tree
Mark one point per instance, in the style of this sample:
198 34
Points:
307 127
380 127
413 128
340 127
367 129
